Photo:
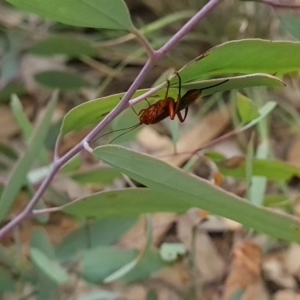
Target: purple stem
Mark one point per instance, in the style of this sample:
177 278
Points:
59 162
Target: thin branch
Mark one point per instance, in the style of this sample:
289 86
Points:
56 148
100 67
188 27
156 25
147 94
144 42
60 162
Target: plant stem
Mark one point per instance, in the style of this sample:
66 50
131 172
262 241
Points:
144 42
60 162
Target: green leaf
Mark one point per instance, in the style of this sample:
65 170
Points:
170 251
150 264
249 165
196 192
25 125
50 268
12 88
6 281
91 113
37 175
244 57
236 82
115 14
20 117
88 114
83 13
125 202
247 110
122 271
139 268
125 120
263 112
174 17
97 176
291 23
271 169
215 156
72 166
18 175
10 65
53 135
277 201
40 241
65 81
258 187
70 46
8 152
47 289
93 234
101 262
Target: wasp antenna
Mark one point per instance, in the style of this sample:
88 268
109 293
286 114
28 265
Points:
209 87
129 129
179 83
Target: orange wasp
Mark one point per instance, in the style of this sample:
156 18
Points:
168 107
